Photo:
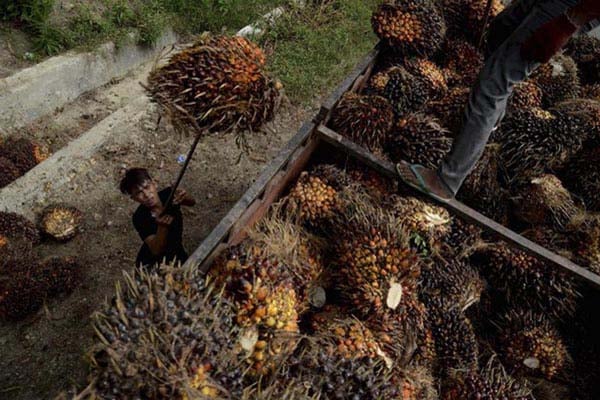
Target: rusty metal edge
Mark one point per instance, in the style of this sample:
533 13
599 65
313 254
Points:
388 169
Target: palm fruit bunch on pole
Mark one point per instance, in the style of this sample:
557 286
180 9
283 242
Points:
430 222
420 139
430 73
15 226
366 120
525 94
533 141
166 334
410 27
450 109
583 178
407 93
8 171
530 345
217 84
545 201
60 222
558 80
455 340
462 63
454 280
492 382
24 153
585 50
523 279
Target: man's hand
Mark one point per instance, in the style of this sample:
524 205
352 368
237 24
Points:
180 196
548 40
164 220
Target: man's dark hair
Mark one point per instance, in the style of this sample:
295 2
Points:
133 177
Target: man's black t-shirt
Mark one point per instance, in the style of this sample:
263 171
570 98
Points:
146 225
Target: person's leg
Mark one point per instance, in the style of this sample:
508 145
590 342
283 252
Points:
487 101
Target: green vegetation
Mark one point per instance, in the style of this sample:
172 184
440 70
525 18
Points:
314 47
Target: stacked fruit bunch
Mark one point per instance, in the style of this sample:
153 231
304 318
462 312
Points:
17 156
313 200
218 84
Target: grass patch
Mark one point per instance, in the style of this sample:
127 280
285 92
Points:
312 48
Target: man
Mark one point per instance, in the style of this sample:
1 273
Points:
526 34
161 233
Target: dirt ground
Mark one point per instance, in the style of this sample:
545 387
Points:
45 354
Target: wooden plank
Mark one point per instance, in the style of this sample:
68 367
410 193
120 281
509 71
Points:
388 169
222 230
343 87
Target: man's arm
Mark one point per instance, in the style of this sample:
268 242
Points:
183 198
158 242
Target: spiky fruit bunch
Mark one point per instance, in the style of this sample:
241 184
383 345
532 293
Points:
351 339
585 50
584 238
544 200
491 383
365 120
378 82
462 238
525 95
59 275
60 222
476 13
583 178
463 61
527 280
219 83
13 225
406 92
585 112
159 329
455 281
8 171
416 216
20 294
533 141
24 153
482 183
591 91
558 80
377 185
450 109
268 306
312 200
531 345
455 340
410 27
430 73
419 139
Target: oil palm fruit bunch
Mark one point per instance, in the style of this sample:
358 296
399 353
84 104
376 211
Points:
59 275
417 216
20 294
455 340
312 200
351 338
8 171
584 238
407 93
378 82
462 61
450 109
585 50
558 80
430 73
157 333
454 13
482 183
410 27
463 236
60 222
523 279
476 13
373 261
366 120
15 226
24 153
582 179
420 139
591 91
533 141
545 201
525 94
492 382
586 113
529 344
377 185
219 84
454 280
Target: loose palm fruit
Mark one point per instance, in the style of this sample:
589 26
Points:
60 222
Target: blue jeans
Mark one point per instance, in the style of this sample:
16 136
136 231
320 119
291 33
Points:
503 68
